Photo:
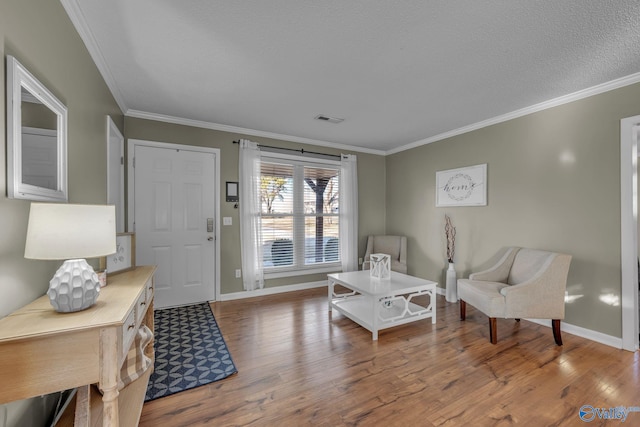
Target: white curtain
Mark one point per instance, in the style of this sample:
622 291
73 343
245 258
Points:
349 212
250 228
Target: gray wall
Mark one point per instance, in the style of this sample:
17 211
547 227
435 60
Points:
371 182
41 36
553 183
536 199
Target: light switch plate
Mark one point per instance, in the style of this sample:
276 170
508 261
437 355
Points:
227 220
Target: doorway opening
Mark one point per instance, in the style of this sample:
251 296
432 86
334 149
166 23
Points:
629 135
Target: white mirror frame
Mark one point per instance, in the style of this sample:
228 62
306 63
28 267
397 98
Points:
19 77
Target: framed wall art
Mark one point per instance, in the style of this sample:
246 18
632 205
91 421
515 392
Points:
462 187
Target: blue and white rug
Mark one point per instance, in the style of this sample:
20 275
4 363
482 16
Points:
189 351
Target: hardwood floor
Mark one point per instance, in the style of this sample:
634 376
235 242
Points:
299 366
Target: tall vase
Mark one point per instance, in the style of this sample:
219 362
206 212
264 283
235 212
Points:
451 293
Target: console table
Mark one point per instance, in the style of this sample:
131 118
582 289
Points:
42 351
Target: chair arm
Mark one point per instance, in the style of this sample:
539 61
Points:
541 296
500 271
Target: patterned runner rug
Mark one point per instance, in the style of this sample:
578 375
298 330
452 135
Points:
189 349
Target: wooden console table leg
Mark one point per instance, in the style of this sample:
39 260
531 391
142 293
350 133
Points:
83 408
109 377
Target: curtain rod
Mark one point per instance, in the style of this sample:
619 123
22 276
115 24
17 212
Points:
300 150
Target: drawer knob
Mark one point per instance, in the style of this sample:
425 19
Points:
131 326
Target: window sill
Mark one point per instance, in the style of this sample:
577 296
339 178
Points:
304 272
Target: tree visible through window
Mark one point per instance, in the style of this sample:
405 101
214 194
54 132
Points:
300 214
271 188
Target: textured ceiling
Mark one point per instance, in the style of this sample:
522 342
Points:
400 73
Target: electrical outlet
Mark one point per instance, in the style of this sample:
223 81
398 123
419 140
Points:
359 261
227 220
238 273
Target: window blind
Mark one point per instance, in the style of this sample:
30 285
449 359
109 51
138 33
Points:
299 214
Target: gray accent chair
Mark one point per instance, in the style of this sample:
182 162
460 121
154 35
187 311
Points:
394 246
525 283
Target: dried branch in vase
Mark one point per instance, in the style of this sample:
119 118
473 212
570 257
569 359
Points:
450 232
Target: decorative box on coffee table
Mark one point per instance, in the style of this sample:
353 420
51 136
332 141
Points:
380 266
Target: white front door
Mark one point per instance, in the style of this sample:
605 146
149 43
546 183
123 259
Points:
174 222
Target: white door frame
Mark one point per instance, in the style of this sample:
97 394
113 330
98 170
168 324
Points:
114 132
629 129
131 144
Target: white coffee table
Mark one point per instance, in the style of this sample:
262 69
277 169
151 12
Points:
378 304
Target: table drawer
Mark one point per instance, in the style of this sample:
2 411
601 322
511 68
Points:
129 330
149 287
141 306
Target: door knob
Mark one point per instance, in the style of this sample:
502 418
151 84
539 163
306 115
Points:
210 238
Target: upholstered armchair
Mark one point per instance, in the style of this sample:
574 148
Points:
394 246
525 283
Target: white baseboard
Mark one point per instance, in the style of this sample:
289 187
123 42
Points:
565 327
582 332
272 291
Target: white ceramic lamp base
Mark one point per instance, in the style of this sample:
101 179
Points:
74 287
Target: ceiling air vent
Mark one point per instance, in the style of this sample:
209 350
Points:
329 119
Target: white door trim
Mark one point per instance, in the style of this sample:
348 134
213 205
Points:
131 144
629 128
114 132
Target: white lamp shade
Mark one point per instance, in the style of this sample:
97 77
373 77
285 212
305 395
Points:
67 231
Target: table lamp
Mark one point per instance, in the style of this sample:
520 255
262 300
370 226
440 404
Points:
72 233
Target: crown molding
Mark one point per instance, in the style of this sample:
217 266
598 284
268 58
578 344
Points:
581 94
74 11
244 131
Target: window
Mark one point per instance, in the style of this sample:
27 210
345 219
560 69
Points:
299 214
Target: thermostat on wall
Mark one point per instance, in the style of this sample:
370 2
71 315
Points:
232 191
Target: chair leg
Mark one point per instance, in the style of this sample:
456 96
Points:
463 310
556 331
493 330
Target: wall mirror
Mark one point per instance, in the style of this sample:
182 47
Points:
36 138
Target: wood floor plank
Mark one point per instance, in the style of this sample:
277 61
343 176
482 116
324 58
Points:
299 365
